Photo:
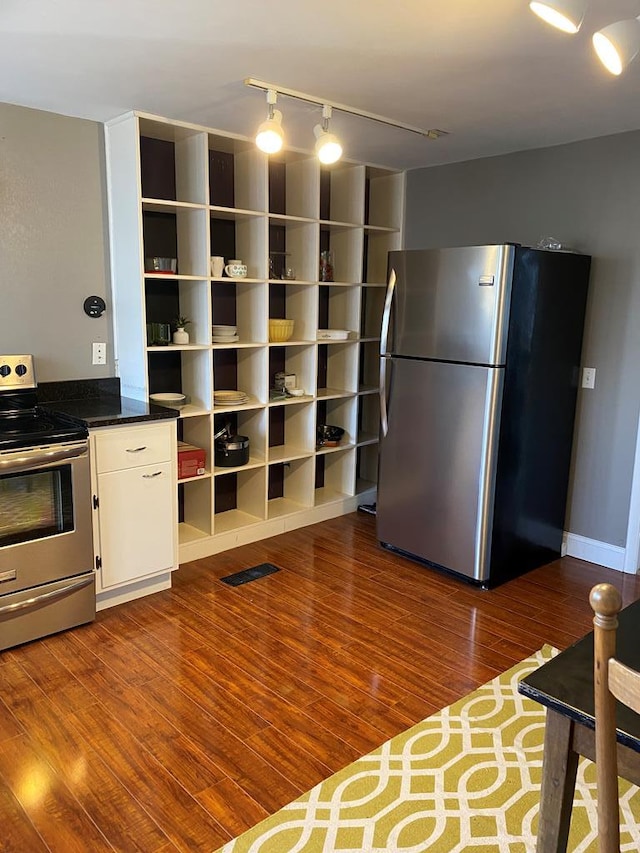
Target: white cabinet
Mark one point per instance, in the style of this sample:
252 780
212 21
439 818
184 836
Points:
135 516
187 192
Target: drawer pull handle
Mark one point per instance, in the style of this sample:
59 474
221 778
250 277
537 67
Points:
136 449
151 476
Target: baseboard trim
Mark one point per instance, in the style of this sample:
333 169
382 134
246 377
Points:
593 551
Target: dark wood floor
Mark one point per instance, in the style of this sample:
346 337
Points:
181 719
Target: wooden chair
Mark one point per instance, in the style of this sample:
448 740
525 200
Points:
612 680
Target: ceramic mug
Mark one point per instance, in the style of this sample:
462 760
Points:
236 269
217 266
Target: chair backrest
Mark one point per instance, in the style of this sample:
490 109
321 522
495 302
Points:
612 680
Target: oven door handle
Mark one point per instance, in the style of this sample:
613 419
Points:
32 460
37 600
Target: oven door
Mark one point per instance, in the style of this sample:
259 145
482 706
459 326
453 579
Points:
45 515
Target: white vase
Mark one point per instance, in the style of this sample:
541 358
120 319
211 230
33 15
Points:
180 336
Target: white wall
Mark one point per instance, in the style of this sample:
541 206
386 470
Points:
587 194
53 241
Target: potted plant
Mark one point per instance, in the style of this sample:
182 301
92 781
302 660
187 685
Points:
180 336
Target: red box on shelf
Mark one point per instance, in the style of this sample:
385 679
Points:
191 460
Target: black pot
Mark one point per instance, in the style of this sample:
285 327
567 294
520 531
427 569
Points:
328 435
231 451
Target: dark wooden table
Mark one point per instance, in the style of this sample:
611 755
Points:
565 686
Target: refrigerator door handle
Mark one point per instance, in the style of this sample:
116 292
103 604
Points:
384 418
386 313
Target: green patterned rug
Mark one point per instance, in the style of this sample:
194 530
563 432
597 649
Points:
467 778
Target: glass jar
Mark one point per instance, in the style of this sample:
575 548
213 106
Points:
326 265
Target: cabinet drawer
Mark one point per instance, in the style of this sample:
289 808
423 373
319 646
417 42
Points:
130 448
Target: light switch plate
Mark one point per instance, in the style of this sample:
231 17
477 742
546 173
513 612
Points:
588 377
99 353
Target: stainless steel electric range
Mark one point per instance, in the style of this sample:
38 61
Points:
47 578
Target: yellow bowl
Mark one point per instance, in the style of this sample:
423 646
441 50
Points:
280 330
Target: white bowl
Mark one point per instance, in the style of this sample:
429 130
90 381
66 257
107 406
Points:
296 392
173 401
332 334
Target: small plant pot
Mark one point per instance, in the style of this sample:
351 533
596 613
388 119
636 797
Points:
180 336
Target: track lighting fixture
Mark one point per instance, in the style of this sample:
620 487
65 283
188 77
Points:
270 136
328 147
616 45
565 15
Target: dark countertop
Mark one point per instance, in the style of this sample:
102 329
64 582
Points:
565 683
98 403
110 410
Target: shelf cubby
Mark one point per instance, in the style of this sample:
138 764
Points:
239 499
238 369
195 509
236 174
291 431
176 232
342 193
241 304
384 197
172 162
299 360
290 487
372 307
340 412
337 369
366 468
197 431
294 244
368 419
294 181
369 368
171 370
298 303
253 424
239 235
339 308
377 245
346 243
334 476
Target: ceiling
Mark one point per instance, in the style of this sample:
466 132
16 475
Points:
487 71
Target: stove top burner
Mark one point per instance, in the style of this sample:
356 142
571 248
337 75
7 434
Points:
23 423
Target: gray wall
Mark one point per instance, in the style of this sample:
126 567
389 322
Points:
587 195
53 241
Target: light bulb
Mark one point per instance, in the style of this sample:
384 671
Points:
565 15
618 44
270 136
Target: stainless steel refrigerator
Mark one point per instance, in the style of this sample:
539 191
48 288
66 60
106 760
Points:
480 353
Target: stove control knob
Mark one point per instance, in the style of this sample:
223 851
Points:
21 369
5 370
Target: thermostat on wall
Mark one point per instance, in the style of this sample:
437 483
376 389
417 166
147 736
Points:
94 306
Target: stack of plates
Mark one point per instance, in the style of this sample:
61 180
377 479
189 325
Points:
230 398
224 334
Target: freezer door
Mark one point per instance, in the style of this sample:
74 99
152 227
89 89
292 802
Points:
436 477
451 304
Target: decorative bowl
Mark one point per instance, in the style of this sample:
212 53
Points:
163 265
173 401
280 330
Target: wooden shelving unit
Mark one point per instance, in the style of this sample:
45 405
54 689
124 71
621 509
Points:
184 191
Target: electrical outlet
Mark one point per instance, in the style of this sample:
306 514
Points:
588 377
99 353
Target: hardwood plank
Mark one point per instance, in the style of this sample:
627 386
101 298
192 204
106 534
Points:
176 721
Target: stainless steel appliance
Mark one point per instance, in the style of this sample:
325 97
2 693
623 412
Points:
47 581
480 353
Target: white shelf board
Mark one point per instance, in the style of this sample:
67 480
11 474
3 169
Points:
291 343
287 453
368 389
193 410
323 451
158 276
279 507
364 486
241 407
384 229
229 279
161 205
325 495
188 533
235 213
368 339
174 347
254 462
290 401
205 476
285 219
233 519
333 225
240 345
291 281
365 438
333 393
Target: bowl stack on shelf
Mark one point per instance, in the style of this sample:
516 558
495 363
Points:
230 399
224 334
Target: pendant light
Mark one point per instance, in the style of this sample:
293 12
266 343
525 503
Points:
618 44
328 146
565 15
270 136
